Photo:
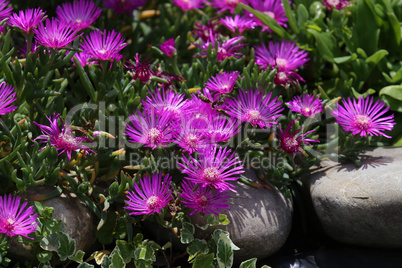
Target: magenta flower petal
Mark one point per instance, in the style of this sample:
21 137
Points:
142 69
150 129
291 142
168 48
307 105
153 195
17 219
221 129
226 49
7 96
124 6
215 167
54 34
254 108
238 22
79 14
337 4
222 83
187 5
4 10
224 5
64 140
272 8
364 117
203 199
26 20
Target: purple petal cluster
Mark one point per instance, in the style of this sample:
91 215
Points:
104 46
306 105
17 219
222 83
239 23
187 5
162 101
254 108
79 14
26 20
203 199
225 49
292 142
54 34
5 11
285 55
224 5
64 140
364 117
215 167
272 8
337 4
151 195
142 70
7 96
168 48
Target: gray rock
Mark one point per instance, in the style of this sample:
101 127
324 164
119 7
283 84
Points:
260 220
78 220
361 206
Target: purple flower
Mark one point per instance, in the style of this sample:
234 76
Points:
215 168
363 117
203 199
221 129
150 129
168 48
104 47
54 34
83 57
337 4
63 140
307 105
189 135
224 5
222 83
165 101
286 55
4 10
152 197
187 5
291 142
225 49
199 112
254 108
208 31
124 6
26 20
79 14
238 22
272 8
17 219
142 70
7 96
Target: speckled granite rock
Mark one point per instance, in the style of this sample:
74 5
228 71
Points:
361 206
260 220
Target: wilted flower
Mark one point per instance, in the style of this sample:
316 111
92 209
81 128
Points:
307 105
152 197
142 70
7 96
17 219
79 14
203 199
215 168
150 129
286 55
54 34
104 47
272 8
187 5
26 20
224 5
291 142
254 108
168 48
4 10
63 140
337 4
222 83
363 117
225 49
238 22
124 6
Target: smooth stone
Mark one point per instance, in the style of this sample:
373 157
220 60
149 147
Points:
78 220
361 206
260 220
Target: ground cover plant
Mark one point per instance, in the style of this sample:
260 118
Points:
149 110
